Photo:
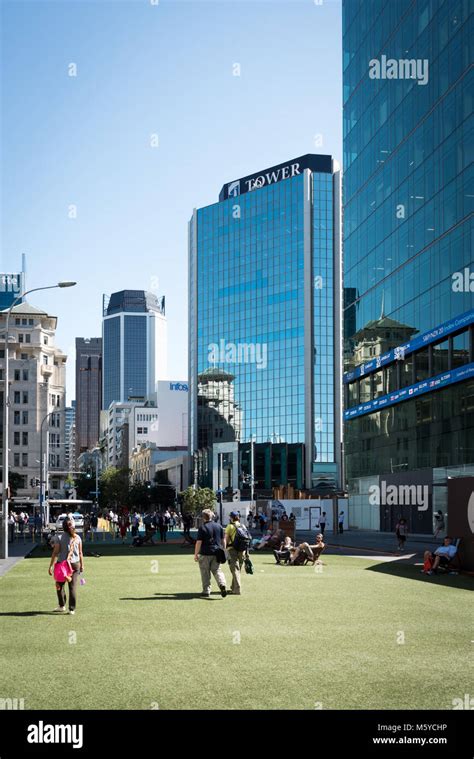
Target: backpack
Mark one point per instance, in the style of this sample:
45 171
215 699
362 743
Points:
242 539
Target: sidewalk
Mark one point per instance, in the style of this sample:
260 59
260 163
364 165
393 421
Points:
370 540
16 553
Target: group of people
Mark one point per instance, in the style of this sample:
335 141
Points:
290 553
216 545
19 525
401 528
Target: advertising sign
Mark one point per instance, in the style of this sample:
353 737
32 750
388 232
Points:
11 285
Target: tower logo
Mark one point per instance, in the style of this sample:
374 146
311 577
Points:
234 189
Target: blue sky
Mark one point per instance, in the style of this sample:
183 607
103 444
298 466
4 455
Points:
143 70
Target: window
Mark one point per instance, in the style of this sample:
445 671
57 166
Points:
16 396
31 322
17 322
45 340
16 417
24 459
27 338
25 375
23 356
25 417
16 375
25 397
16 438
440 357
2 354
45 359
16 459
460 349
24 322
422 365
1 374
24 438
20 338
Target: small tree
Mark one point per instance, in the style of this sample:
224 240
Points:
114 486
15 481
198 499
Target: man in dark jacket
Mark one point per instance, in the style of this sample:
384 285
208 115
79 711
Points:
209 542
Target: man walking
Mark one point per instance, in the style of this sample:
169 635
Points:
235 551
341 522
322 522
208 544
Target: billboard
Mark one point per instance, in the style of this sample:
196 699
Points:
11 285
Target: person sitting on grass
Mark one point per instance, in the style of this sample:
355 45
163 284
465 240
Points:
442 555
284 554
312 553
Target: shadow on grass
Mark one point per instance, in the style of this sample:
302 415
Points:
169 597
31 614
408 571
97 549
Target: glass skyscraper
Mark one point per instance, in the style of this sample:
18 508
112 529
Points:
134 345
408 261
265 324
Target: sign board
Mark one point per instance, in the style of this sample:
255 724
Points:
288 170
11 285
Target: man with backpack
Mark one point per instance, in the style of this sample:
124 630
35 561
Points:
236 541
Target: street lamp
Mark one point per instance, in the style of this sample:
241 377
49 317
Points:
6 418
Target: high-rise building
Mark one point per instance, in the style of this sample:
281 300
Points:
88 392
37 373
265 327
408 261
134 345
70 438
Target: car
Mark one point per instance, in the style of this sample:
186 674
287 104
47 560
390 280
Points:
78 520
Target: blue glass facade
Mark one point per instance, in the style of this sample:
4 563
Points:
135 352
408 232
131 345
262 314
111 377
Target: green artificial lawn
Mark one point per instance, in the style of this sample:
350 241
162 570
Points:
295 639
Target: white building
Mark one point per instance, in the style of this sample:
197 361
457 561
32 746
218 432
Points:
37 374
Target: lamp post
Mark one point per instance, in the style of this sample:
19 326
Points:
6 419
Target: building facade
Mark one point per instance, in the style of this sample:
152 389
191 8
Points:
37 372
265 322
408 261
134 335
88 392
70 437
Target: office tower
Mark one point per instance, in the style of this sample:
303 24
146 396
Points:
134 345
88 392
70 438
37 373
265 327
408 262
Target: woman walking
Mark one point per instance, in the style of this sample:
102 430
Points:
401 531
68 547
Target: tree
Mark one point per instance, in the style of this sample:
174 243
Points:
197 499
139 496
114 487
15 481
84 484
